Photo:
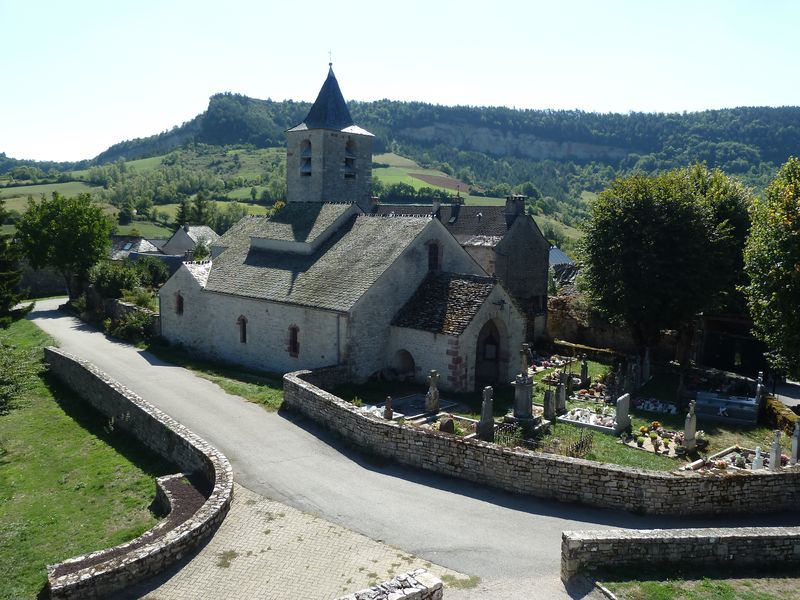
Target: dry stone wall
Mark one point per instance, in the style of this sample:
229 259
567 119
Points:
582 550
543 475
416 585
171 440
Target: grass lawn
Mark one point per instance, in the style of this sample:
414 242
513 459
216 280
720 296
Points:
68 484
146 229
261 388
693 585
17 197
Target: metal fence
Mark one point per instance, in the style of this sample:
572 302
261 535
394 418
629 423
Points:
509 434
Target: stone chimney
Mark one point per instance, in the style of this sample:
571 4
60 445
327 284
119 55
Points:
515 207
186 227
437 204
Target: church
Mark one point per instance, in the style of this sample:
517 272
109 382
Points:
334 278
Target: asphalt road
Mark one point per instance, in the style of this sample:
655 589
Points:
511 542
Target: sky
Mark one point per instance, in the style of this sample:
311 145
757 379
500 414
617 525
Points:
77 77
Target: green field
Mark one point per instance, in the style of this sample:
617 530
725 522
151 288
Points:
69 483
146 229
17 197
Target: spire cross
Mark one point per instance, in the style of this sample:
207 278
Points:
330 58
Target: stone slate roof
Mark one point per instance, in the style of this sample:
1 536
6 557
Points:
462 221
199 270
558 257
123 245
329 110
198 232
334 277
298 222
445 303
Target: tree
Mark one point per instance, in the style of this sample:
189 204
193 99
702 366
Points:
69 234
772 263
10 275
182 216
659 249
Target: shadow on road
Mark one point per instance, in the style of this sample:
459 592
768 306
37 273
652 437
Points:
530 504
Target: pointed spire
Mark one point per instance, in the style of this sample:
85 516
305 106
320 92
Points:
329 110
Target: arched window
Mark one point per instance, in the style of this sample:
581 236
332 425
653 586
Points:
242 323
350 160
294 342
433 256
305 158
179 303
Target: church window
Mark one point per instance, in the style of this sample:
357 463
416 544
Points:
433 256
350 160
179 304
294 342
242 323
305 158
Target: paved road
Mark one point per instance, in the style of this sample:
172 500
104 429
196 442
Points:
511 542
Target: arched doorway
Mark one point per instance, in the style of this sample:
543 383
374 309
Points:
491 354
403 364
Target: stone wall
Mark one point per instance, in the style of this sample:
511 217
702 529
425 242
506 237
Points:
169 439
545 475
116 308
747 546
416 585
779 416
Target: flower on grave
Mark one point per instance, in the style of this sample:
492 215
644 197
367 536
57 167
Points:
721 464
656 443
653 436
643 429
640 441
655 424
679 438
784 460
739 461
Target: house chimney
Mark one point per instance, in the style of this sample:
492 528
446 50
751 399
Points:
186 227
515 207
437 204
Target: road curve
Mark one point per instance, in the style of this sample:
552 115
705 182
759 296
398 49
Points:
511 542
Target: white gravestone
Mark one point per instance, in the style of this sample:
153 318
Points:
690 429
758 460
622 420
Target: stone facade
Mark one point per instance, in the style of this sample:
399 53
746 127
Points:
744 546
544 475
416 585
169 439
326 180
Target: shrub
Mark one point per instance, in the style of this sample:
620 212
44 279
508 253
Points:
154 272
18 367
111 277
133 326
141 297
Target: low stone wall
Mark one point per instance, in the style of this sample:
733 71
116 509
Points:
416 585
779 416
169 439
544 475
746 546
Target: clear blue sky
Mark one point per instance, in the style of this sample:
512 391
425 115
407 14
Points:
79 76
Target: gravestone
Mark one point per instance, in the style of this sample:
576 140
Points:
447 424
523 359
561 399
646 366
523 397
690 429
622 420
486 424
758 460
388 413
585 373
549 405
760 387
775 452
432 397
795 444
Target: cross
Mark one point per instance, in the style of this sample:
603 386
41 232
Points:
330 58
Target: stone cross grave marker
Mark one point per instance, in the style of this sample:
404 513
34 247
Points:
623 418
795 444
486 424
585 373
432 397
690 429
775 452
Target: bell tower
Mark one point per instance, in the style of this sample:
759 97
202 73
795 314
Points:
328 157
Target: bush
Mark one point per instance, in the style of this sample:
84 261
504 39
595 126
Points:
154 272
133 326
18 367
110 278
141 296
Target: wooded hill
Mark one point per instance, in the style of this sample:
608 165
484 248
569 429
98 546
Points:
558 154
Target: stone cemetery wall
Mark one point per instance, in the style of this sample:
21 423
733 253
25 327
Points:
169 439
544 475
746 546
116 308
779 416
416 585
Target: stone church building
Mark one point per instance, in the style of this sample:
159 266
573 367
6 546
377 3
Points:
330 280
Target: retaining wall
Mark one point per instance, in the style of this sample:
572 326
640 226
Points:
544 475
415 585
745 546
169 439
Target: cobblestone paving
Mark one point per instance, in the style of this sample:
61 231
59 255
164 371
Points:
267 550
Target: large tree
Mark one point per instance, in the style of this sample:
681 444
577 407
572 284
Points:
10 275
68 234
772 263
659 249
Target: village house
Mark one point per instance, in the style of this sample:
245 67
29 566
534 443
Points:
325 281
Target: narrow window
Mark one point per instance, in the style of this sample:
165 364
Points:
294 343
242 323
305 159
433 256
350 160
179 304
